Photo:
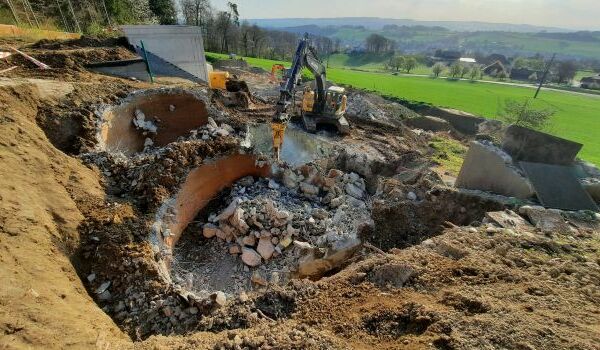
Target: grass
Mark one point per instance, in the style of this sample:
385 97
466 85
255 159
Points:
448 153
577 116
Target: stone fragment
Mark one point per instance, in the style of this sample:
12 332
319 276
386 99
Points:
249 240
237 221
309 189
336 202
91 277
411 196
265 248
354 191
273 185
219 299
286 241
250 257
258 279
235 250
320 214
229 210
303 245
210 231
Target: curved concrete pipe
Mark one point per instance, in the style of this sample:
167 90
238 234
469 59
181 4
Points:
118 134
200 187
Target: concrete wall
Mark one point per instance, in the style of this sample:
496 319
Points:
528 145
486 169
180 45
462 121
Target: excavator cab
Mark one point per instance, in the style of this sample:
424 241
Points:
333 110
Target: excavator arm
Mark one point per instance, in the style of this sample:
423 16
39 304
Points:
305 56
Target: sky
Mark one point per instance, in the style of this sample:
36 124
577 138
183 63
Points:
572 14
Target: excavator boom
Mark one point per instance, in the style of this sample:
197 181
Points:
305 56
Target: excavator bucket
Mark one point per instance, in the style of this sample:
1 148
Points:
278 136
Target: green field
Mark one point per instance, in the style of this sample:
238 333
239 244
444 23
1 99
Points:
577 117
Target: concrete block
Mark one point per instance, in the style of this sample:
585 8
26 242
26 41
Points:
428 123
462 121
529 145
181 46
487 168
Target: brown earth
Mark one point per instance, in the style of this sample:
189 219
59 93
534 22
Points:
442 288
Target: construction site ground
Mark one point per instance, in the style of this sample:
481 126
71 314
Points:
79 270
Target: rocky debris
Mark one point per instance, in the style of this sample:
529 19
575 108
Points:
548 221
376 109
140 123
308 225
211 231
510 220
154 175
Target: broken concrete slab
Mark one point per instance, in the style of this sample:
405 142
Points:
488 168
557 187
546 220
529 145
592 187
428 123
313 266
509 219
464 122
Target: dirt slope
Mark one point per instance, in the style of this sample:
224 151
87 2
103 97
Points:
43 303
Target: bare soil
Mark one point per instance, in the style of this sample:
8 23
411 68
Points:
433 276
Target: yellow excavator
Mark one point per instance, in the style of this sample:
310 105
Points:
320 105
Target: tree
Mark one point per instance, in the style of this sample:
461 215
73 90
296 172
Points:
502 75
378 43
437 69
396 62
455 69
475 72
465 70
196 12
566 71
523 114
409 63
164 10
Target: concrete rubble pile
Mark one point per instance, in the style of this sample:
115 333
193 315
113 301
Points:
315 214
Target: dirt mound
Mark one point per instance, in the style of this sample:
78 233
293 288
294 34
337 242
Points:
83 42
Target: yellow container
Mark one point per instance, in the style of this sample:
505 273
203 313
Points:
217 80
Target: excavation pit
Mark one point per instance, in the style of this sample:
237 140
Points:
299 147
173 113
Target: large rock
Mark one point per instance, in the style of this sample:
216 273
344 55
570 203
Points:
547 220
210 231
250 257
265 248
488 168
312 265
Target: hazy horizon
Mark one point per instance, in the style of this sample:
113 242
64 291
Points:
568 14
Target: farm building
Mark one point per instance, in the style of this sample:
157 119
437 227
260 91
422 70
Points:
524 74
494 68
591 82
